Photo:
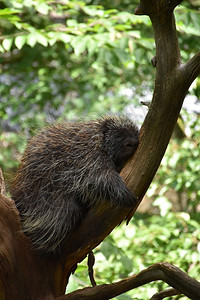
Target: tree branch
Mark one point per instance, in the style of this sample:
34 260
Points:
167 100
191 69
161 271
147 7
163 294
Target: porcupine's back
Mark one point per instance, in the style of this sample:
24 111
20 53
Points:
55 183
45 188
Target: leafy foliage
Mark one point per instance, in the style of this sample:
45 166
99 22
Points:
173 238
179 171
88 44
72 59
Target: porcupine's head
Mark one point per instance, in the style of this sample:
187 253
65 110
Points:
121 139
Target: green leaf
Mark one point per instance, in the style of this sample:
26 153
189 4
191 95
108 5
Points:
8 11
7 43
163 204
147 43
92 46
20 41
79 44
93 10
31 39
127 263
64 37
121 55
72 23
42 7
41 39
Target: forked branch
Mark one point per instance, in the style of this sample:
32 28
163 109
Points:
161 271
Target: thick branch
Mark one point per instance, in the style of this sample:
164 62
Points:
167 99
163 271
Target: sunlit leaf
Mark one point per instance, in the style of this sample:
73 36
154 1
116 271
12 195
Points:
79 44
31 39
42 7
163 204
41 39
20 41
8 11
7 43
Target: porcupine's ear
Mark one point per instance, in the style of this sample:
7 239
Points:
105 124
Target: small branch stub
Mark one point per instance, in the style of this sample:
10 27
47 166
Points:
91 261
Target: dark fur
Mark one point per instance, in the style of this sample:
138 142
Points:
66 169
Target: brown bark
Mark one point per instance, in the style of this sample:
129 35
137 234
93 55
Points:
23 274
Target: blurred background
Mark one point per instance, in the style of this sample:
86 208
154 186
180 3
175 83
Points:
70 60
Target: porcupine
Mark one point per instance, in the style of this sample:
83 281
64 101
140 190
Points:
66 169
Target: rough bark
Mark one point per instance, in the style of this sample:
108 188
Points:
47 277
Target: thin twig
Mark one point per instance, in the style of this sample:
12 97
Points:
163 294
